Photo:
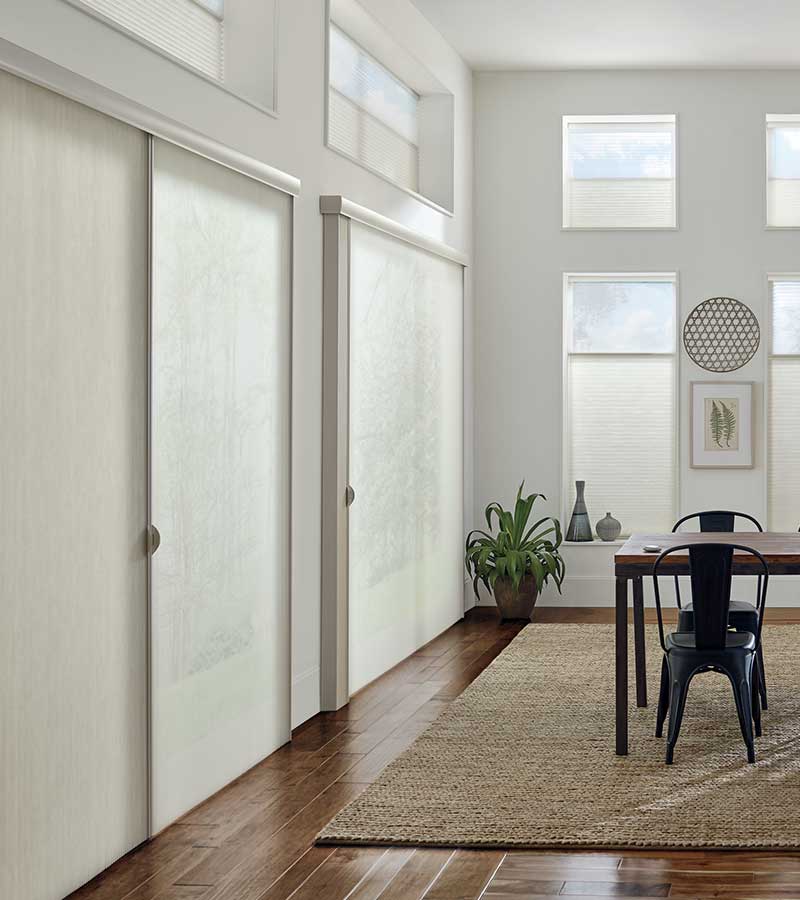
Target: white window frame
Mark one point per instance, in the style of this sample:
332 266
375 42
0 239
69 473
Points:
649 119
773 119
772 277
565 503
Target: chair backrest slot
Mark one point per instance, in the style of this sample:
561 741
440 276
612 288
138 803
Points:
710 568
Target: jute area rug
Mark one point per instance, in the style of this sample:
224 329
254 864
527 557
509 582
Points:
524 758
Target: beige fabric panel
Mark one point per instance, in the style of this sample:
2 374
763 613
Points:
73 333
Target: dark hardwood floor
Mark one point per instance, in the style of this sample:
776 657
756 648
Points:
253 840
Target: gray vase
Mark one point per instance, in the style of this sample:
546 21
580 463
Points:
608 529
580 528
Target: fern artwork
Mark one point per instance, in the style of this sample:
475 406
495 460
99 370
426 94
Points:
722 423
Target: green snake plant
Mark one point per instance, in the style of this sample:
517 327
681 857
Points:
516 549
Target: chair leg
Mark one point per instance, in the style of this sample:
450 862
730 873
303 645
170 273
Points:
679 680
742 681
755 695
663 697
762 679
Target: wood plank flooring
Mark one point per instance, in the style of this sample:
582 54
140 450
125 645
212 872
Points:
253 840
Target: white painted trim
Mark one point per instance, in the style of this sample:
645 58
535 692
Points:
774 119
646 119
358 162
336 205
62 81
305 696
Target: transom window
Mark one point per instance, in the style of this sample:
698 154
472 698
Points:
783 171
620 404
619 172
372 115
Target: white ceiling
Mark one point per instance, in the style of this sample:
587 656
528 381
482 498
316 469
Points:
567 34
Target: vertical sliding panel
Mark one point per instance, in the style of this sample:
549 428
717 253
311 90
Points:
73 569
406 448
220 476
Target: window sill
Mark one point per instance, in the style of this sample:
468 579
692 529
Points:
593 543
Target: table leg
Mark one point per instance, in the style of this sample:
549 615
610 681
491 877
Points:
638 642
622 665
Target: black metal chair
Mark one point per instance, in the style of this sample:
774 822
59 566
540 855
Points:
711 646
743 616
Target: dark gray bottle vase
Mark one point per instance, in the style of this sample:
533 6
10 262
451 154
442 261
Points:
580 528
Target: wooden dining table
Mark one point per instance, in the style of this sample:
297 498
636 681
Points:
633 564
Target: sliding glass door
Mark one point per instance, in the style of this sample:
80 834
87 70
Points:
405 449
220 476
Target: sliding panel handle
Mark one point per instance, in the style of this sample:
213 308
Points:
153 539
349 495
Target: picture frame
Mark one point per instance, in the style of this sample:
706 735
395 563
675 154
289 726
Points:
721 419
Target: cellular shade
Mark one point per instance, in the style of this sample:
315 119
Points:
189 30
406 449
784 436
372 115
783 477
621 407
619 174
783 172
220 476
621 412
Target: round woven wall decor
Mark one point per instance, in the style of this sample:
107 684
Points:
721 334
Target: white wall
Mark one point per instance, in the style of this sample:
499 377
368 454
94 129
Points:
720 248
293 142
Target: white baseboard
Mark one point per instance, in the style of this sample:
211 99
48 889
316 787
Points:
305 696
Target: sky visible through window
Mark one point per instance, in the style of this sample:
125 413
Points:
784 152
620 151
786 317
623 317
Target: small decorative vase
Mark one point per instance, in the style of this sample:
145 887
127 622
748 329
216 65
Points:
579 527
514 605
608 529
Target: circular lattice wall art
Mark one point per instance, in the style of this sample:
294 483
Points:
721 334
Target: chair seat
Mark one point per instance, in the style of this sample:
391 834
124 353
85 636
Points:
734 640
741 614
737 606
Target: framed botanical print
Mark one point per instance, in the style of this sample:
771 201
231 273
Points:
722 424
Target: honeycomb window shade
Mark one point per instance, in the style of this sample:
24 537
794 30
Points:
783 171
783 473
619 172
620 398
190 31
372 115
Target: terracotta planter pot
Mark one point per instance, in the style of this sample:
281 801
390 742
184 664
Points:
516 604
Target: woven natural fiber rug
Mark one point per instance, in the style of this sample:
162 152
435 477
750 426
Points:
525 758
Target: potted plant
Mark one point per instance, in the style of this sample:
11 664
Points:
518 560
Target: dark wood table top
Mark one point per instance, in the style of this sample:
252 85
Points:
781 551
